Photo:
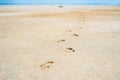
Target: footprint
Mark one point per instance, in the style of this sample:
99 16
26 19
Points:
81 28
68 31
84 21
81 19
61 40
75 35
46 65
50 62
70 50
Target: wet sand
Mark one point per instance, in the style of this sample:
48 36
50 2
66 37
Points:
59 42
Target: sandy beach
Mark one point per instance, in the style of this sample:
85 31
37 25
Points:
60 42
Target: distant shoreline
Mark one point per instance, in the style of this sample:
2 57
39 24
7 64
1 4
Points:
57 4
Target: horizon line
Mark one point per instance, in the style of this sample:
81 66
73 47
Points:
59 4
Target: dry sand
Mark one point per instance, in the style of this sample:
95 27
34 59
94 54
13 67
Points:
59 43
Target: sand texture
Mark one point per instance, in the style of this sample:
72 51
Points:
59 42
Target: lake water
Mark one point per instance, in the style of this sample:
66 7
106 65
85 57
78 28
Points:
64 2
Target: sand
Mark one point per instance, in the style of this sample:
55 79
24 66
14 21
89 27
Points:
59 42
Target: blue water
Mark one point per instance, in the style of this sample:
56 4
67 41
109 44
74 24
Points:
64 2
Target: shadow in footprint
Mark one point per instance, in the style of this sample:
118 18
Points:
63 40
75 35
46 65
70 50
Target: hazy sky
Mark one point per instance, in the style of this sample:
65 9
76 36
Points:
62 1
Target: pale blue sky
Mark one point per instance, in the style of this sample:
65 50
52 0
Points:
60 1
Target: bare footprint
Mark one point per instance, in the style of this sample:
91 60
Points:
81 28
75 35
46 65
61 40
50 62
68 31
83 20
70 50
